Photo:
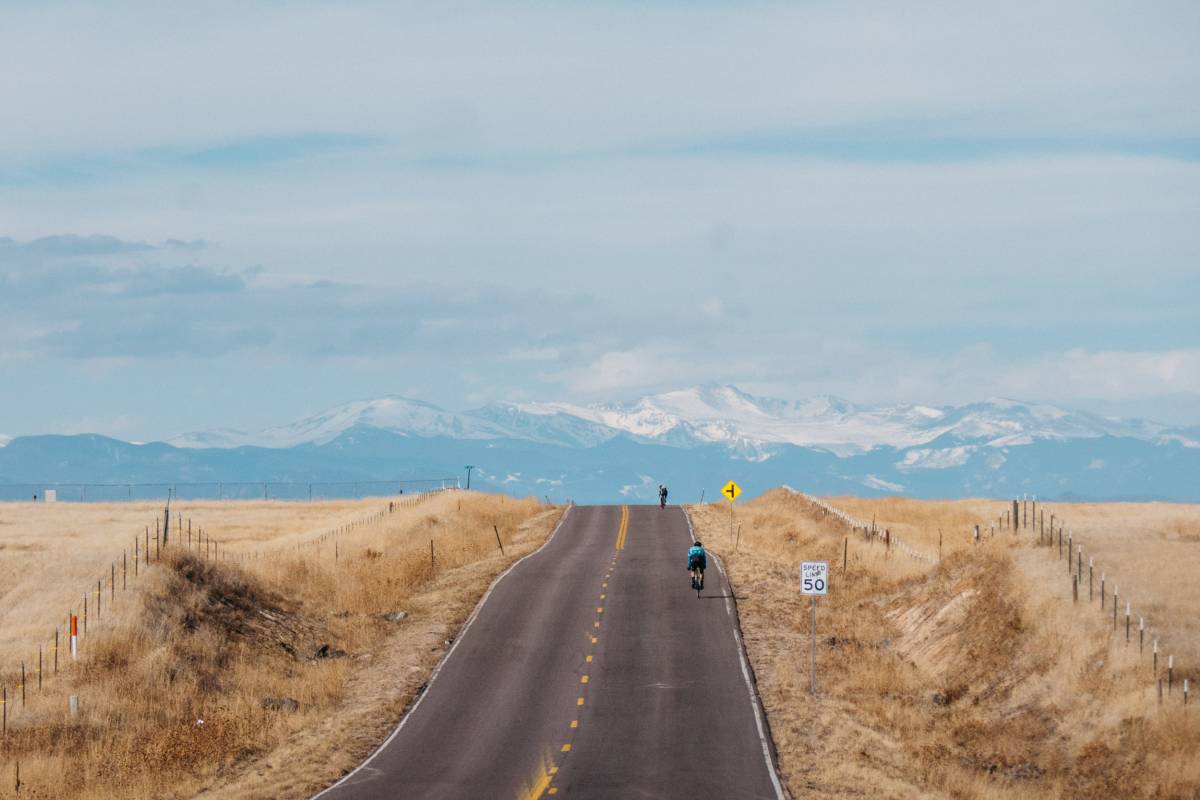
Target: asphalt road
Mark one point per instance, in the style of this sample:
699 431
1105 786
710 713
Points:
591 670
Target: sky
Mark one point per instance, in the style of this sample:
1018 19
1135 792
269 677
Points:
238 214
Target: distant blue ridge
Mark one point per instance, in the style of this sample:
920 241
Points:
623 469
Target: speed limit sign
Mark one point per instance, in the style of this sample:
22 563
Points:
814 577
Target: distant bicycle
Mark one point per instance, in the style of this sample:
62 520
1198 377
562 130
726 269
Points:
697 563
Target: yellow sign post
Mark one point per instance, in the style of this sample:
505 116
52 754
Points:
731 491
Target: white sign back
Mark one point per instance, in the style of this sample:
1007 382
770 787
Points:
814 577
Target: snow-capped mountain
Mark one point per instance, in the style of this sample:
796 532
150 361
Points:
692 439
725 414
393 414
751 427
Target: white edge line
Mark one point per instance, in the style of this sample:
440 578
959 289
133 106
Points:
754 701
437 670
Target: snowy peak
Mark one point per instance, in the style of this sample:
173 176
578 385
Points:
398 415
750 427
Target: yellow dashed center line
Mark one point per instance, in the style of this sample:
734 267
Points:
543 786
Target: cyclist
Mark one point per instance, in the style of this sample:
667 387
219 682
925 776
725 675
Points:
662 496
697 563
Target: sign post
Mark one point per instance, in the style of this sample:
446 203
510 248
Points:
731 491
814 581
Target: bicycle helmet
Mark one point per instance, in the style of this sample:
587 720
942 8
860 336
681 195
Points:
697 544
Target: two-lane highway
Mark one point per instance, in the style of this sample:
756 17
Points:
590 670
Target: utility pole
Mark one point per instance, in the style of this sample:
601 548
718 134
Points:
468 468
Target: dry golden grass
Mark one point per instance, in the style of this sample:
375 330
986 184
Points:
52 554
287 659
975 677
1149 551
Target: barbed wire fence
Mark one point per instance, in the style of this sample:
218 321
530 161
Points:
23 677
1060 542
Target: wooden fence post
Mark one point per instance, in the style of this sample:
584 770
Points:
497 530
432 562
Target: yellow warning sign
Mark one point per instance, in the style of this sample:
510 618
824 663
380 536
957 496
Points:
731 491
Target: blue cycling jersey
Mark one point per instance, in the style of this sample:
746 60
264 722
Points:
697 553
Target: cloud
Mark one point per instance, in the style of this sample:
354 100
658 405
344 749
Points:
1112 375
68 246
882 201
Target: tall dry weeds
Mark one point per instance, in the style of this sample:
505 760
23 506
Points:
213 671
976 677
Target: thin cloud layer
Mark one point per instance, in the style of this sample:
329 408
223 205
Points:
282 207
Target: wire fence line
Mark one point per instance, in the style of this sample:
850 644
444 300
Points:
74 492
1057 539
23 677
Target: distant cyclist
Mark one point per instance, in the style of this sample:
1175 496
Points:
662 496
697 563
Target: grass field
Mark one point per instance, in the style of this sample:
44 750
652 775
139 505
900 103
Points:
247 677
52 554
977 676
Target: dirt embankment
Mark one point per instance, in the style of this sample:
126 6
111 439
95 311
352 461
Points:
270 679
966 678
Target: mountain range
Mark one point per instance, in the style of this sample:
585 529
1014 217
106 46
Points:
692 439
